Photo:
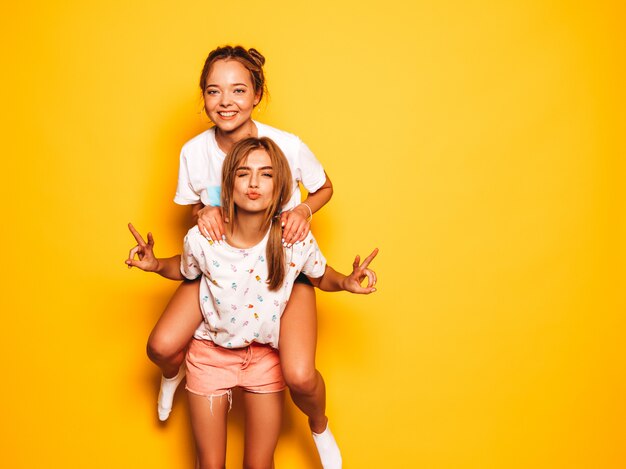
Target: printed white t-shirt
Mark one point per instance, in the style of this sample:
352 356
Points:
237 306
201 160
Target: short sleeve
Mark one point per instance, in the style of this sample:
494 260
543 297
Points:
314 264
213 196
193 261
312 173
185 194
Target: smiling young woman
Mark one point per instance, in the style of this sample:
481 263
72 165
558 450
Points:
232 84
229 99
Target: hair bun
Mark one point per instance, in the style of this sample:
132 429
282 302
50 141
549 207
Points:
257 56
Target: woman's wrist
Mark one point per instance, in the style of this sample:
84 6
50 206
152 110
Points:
306 211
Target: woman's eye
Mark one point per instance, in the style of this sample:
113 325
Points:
240 90
211 92
241 175
269 175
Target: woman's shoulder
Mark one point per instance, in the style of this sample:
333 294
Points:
193 233
281 137
199 142
306 245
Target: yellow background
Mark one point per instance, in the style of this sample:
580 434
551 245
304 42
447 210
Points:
480 145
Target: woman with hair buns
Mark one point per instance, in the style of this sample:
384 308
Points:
233 83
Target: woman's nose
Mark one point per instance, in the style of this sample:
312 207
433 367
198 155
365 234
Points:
225 99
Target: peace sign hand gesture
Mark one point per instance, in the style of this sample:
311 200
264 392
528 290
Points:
352 282
144 251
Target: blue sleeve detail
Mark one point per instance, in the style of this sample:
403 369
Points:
215 195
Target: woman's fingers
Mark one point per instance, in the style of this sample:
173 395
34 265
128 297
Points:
204 231
219 229
295 228
143 251
303 231
131 256
297 234
133 263
211 223
364 290
288 231
213 229
132 252
371 278
361 272
136 234
369 258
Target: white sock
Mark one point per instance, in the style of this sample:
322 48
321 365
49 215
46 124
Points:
327 449
166 393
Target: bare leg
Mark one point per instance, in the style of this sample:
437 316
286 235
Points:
208 423
263 421
169 339
175 328
298 340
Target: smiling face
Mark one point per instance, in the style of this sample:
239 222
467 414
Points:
230 97
253 189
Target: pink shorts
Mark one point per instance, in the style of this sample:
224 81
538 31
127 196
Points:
213 370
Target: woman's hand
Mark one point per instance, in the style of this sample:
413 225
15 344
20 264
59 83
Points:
352 282
144 251
211 223
296 225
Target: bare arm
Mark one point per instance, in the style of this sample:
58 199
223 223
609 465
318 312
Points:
336 281
296 222
195 208
319 198
168 267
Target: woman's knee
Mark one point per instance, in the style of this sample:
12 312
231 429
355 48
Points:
301 379
163 347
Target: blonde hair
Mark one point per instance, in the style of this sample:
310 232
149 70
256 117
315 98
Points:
280 195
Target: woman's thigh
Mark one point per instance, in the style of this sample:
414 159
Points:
298 331
263 421
208 423
179 320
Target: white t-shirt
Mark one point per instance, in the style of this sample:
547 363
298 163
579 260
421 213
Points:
237 306
201 160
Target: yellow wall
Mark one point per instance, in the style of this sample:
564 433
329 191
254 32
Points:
479 144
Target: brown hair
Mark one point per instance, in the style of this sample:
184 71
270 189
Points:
252 59
280 196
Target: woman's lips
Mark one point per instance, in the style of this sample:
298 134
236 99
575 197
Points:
227 114
253 195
